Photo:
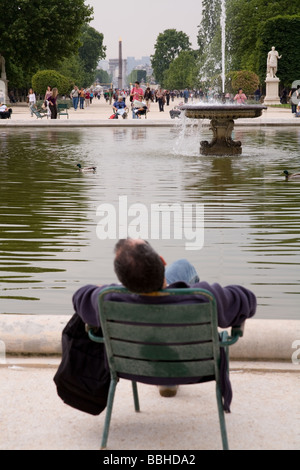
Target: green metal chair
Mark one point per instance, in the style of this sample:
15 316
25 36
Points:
62 110
159 341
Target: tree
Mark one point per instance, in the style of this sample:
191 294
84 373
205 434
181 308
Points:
81 67
38 33
210 23
282 32
103 77
244 21
182 72
92 49
167 47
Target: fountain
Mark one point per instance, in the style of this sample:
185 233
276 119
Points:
222 115
222 118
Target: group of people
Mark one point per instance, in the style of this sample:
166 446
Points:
49 102
82 97
140 100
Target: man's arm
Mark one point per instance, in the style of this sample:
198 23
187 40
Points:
235 303
85 303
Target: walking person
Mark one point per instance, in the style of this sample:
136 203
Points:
161 99
31 100
81 98
167 95
87 98
186 95
74 95
148 97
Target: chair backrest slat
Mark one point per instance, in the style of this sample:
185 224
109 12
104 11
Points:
159 334
165 369
159 313
157 352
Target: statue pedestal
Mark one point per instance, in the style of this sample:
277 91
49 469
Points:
272 91
4 92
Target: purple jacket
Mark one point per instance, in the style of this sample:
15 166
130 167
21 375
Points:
235 303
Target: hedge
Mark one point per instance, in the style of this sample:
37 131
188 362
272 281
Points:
44 78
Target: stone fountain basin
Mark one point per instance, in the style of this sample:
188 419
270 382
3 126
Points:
222 111
222 117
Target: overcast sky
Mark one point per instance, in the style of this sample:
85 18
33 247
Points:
139 23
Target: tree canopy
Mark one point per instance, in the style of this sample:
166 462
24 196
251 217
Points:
248 35
182 72
167 47
81 66
39 33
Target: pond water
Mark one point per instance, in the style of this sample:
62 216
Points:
49 245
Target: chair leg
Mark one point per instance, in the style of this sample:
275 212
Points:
110 402
135 396
222 418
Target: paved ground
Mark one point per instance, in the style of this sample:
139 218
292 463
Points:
265 413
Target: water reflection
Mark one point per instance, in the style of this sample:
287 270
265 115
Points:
48 219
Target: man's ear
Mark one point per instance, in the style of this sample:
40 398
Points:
164 263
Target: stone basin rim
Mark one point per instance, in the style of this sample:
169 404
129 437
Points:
224 107
222 112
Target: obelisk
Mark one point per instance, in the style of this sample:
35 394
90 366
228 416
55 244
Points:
120 82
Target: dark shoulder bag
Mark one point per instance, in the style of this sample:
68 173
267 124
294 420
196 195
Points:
82 379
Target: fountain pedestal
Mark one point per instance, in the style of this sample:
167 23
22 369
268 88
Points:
222 124
222 141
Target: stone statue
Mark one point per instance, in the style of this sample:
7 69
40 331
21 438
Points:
3 72
272 63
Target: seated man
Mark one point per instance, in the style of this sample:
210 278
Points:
119 106
141 270
5 113
138 109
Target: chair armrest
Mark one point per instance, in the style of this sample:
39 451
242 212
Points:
236 333
238 330
92 333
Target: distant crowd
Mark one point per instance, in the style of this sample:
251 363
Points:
141 99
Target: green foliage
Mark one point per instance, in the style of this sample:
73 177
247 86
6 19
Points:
167 47
81 67
244 79
283 33
137 76
72 67
92 49
38 33
41 80
182 72
103 76
210 24
244 20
